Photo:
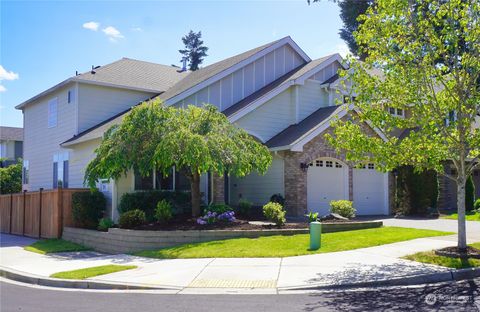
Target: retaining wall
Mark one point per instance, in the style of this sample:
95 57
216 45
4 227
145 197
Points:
128 241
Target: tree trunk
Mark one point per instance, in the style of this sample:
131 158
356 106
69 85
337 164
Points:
195 188
462 232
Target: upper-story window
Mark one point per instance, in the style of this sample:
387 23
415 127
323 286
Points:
70 96
397 112
52 112
348 99
25 171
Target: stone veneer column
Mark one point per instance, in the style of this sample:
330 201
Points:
295 180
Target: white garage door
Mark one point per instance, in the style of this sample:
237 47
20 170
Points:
369 191
327 180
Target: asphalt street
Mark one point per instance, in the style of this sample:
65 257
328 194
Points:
460 296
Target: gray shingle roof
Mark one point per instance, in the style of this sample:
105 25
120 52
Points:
11 134
205 73
294 132
135 74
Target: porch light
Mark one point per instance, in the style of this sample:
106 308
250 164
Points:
304 166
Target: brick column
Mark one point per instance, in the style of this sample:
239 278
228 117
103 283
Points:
295 180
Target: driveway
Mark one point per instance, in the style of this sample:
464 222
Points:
473 227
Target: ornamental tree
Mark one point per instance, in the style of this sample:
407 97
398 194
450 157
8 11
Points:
197 139
428 54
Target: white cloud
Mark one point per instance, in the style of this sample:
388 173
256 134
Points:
342 49
91 25
2 88
137 29
7 75
112 33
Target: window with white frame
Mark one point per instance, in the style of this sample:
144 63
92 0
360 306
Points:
60 170
52 112
70 96
397 112
173 181
25 171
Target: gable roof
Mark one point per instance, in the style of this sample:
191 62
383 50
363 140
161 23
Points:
125 73
211 73
11 133
294 133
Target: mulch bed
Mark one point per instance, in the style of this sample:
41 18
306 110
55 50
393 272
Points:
184 223
453 252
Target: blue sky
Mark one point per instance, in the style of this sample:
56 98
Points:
43 43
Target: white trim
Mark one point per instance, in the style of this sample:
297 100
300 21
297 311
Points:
114 197
297 106
386 208
232 69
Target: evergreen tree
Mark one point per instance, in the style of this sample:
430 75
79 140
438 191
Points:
194 51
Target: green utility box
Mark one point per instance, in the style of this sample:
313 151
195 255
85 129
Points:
315 235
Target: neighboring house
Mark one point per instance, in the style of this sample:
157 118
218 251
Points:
275 92
11 145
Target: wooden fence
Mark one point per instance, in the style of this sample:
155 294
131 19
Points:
43 213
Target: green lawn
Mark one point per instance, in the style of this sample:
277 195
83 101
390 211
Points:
93 271
470 216
46 246
457 263
285 246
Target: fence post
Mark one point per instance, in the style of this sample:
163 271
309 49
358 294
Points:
23 217
40 215
11 214
60 212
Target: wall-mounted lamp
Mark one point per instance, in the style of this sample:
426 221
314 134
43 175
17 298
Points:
304 166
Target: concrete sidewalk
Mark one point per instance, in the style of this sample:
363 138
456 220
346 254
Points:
250 275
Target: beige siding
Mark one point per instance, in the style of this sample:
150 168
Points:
259 188
311 96
99 103
270 118
42 142
80 156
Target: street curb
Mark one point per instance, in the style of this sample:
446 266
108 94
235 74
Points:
449 276
76 284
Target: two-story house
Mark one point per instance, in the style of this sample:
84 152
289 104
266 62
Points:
11 145
275 92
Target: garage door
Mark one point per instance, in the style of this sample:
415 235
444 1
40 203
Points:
369 191
327 180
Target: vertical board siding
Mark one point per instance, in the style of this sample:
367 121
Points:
311 97
37 214
247 80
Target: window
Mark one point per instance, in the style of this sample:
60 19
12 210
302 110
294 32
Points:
338 165
319 163
397 112
70 96
52 112
348 99
371 166
164 182
143 183
452 117
60 170
329 164
182 183
25 172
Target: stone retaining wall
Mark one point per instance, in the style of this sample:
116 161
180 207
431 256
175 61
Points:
128 241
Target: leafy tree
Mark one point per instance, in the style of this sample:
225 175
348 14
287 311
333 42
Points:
469 194
350 10
11 178
197 139
428 54
194 51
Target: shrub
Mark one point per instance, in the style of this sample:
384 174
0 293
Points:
132 218
104 224
163 212
312 216
147 202
211 217
469 194
275 213
476 206
88 208
343 208
244 207
11 178
277 198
